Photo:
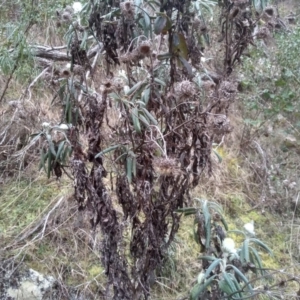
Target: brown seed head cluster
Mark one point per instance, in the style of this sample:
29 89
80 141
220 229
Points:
228 89
145 48
165 166
185 89
219 124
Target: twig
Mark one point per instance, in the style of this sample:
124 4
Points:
47 217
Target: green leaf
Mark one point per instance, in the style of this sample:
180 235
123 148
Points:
109 149
207 219
44 157
51 144
208 258
129 164
135 88
134 166
256 259
150 116
280 82
200 288
60 148
164 56
49 169
242 276
262 245
159 81
35 134
179 45
146 95
245 252
135 120
84 39
186 210
162 24
186 65
144 120
218 155
230 283
213 265
225 287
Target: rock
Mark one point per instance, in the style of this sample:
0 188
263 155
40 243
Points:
31 286
18 282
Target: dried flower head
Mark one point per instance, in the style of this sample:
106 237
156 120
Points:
133 56
145 48
107 86
78 70
228 89
127 9
165 166
66 72
270 11
219 124
66 16
185 89
208 85
199 25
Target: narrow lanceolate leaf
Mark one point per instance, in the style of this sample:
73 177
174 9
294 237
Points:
112 148
51 144
134 166
187 65
262 245
49 168
256 259
224 222
229 282
218 156
164 56
84 39
207 219
44 157
129 165
144 120
179 45
209 258
146 95
157 80
225 287
189 210
212 266
241 276
162 24
134 89
200 288
238 295
59 150
150 116
135 120
245 252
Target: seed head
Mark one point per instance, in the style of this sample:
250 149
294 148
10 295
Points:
145 48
